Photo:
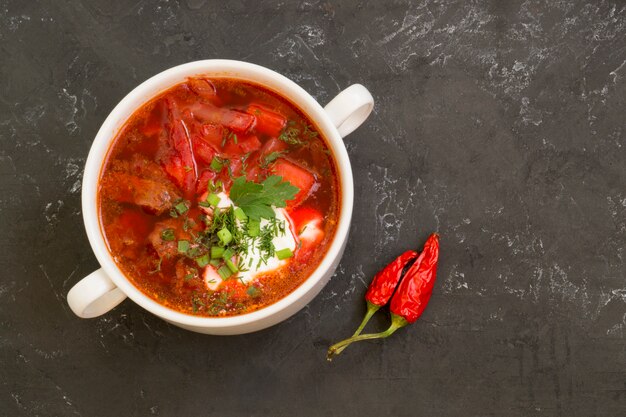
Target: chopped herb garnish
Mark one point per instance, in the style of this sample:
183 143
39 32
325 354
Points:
224 272
240 215
284 254
225 236
271 157
204 204
188 224
168 234
216 164
233 268
181 207
253 291
254 228
290 135
188 168
217 252
157 266
256 200
228 253
194 252
183 246
203 260
189 276
213 199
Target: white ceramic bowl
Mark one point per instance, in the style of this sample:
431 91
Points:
105 288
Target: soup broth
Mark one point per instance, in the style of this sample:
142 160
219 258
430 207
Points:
218 197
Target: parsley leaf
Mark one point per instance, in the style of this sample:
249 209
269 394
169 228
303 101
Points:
256 200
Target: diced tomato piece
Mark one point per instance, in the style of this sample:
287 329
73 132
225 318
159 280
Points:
307 227
244 145
267 121
203 181
297 176
253 174
235 120
213 135
202 149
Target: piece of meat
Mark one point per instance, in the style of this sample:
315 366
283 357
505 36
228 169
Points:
187 276
166 249
154 196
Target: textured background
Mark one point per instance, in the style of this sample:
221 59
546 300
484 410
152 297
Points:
499 124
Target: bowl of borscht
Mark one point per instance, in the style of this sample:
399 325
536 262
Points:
218 196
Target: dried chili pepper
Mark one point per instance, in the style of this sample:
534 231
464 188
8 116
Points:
410 299
383 285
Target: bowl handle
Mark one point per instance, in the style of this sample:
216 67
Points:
94 295
349 109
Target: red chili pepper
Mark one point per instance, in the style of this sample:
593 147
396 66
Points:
410 299
382 287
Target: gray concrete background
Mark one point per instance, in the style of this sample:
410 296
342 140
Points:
499 124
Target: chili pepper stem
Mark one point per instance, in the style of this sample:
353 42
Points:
371 309
397 322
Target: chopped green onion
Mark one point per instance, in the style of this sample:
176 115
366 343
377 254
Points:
194 252
203 260
181 207
239 214
168 234
183 246
217 252
216 164
224 272
215 262
228 253
284 253
225 236
254 228
189 276
233 268
204 204
213 199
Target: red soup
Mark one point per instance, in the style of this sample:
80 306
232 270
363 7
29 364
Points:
218 197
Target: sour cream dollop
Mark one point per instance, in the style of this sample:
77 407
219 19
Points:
254 262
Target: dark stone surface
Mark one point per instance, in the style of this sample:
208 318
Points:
498 123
